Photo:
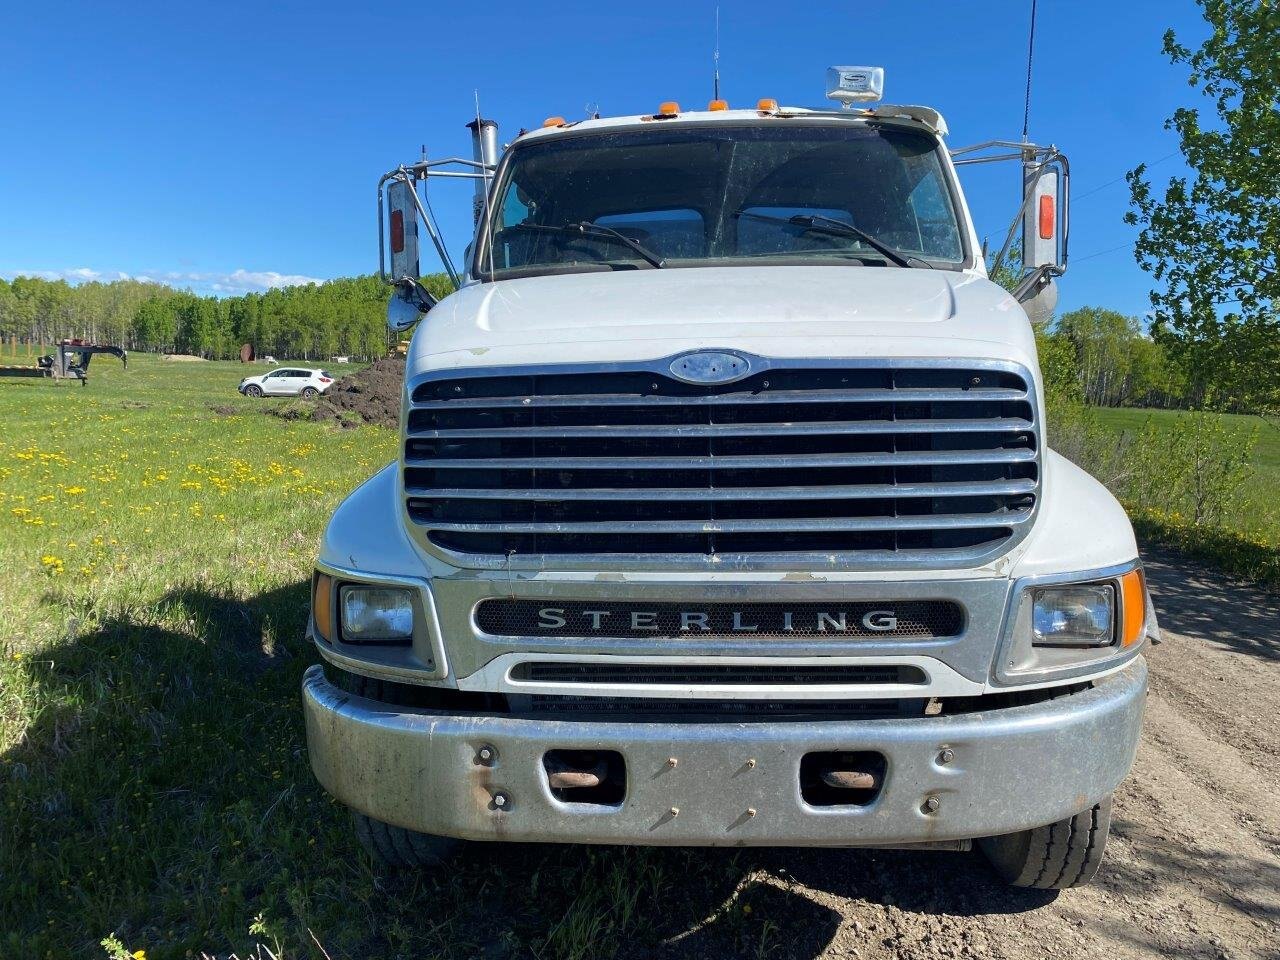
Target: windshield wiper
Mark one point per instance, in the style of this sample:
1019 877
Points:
838 228
588 228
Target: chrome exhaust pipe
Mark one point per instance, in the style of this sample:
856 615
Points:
484 149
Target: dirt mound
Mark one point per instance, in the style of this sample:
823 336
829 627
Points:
184 358
370 396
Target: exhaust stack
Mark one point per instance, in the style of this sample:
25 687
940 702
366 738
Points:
484 149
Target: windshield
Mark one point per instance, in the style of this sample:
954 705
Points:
709 195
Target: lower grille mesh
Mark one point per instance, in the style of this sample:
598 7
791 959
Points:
702 673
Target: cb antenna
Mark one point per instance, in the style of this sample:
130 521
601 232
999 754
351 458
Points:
715 57
1031 49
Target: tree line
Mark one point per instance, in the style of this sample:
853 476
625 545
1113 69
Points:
344 316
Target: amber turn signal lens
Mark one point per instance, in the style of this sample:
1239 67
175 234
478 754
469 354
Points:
718 105
1046 218
767 105
553 122
322 604
1133 607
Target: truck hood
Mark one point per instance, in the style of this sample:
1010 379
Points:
802 311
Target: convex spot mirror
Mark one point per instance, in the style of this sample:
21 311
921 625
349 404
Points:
408 303
1040 300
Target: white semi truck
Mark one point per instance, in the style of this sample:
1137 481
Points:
725 512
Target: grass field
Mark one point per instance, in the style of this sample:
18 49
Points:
154 785
1257 512
156 538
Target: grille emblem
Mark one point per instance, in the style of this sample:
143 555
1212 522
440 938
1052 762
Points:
710 367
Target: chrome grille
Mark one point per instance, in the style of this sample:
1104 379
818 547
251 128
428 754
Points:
824 464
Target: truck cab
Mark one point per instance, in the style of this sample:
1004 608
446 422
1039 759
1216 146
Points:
725 512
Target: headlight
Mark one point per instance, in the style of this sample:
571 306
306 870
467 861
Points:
376 613
1075 616
1070 626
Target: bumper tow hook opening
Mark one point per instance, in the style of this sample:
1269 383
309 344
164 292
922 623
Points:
841 778
586 776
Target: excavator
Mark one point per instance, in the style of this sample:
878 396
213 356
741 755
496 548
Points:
69 362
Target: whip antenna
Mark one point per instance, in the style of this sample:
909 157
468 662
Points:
715 58
1031 46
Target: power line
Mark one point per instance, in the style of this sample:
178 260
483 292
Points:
1103 186
1103 253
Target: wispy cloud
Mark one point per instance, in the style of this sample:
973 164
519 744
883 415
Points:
227 284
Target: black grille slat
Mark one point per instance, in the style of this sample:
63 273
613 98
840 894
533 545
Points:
907 458
722 429
673 620
891 461
867 491
769 525
727 674
904 395
738 710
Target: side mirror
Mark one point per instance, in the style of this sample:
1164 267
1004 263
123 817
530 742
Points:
403 210
409 303
1044 218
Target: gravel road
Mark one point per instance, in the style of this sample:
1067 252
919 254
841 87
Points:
1192 869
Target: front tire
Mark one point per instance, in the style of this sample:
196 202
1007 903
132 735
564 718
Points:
253 390
1054 857
398 848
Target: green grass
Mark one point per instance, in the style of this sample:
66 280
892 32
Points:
156 538
1256 513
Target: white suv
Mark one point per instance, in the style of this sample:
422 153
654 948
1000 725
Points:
288 382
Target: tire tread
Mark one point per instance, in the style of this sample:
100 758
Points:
1056 856
399 848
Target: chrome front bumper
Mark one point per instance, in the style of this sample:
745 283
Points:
1011 769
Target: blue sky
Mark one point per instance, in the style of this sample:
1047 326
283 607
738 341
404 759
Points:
226 147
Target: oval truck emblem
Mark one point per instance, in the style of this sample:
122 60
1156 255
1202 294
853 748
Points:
710 367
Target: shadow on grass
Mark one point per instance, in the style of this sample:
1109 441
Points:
162 793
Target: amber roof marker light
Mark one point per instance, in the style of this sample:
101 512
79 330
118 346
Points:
767 105
667 109
718 105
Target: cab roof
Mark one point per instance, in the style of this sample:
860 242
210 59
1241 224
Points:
921 117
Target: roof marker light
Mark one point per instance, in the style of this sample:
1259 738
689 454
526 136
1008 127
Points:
718 105
668 108
767 105
553 122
